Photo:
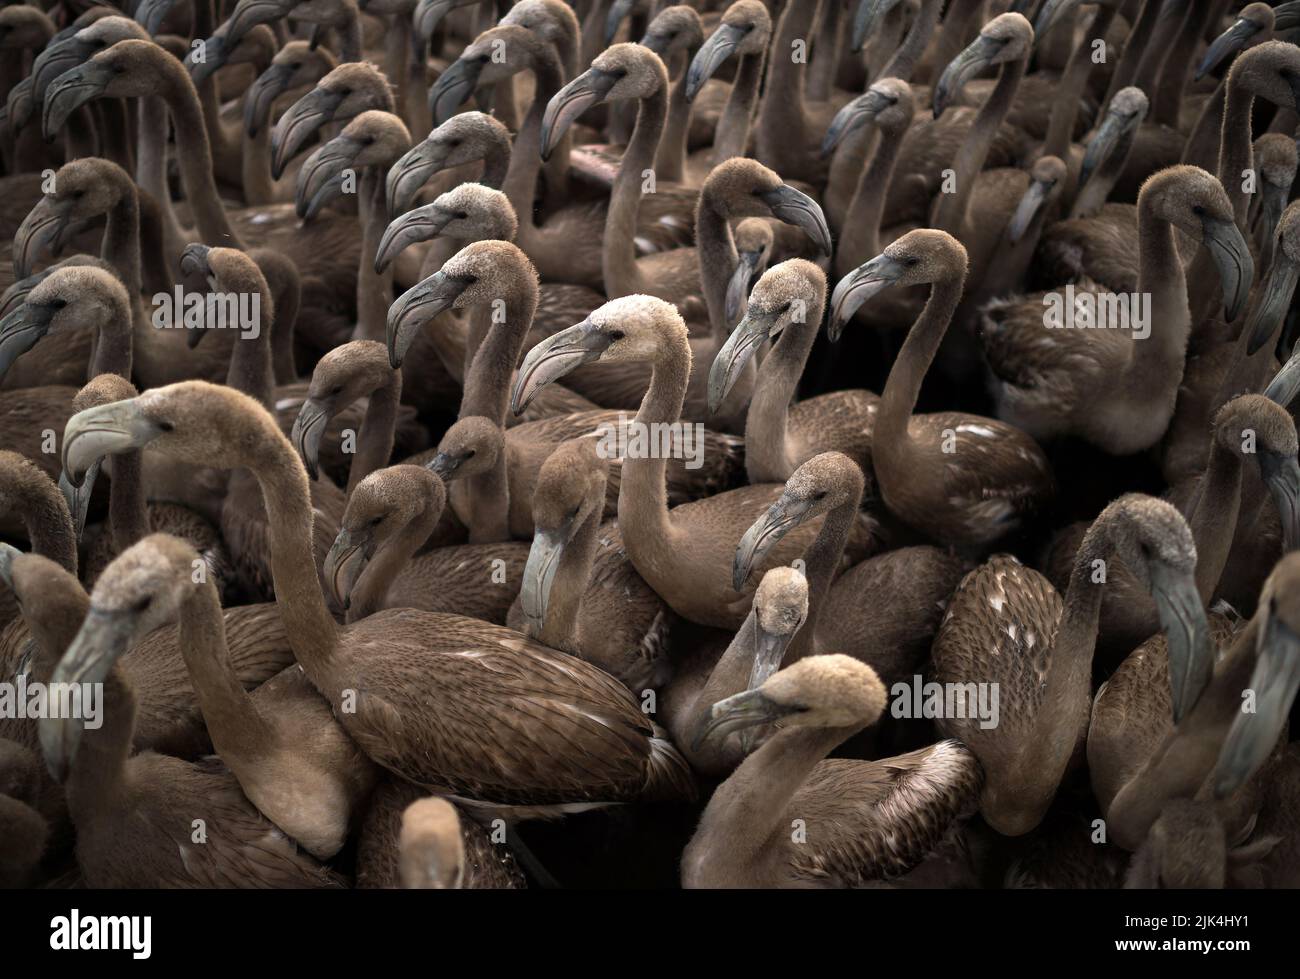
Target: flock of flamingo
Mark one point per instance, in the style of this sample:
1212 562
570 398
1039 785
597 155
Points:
422 462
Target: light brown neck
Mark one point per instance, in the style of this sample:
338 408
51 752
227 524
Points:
890 439
487 385
643 494
903 62
374 289
670 162
950 212
519 182
230 713
195 152
767 448
748 812
1074 80
618 261
782 127
731 138
860 232
378 430
99 777
368 593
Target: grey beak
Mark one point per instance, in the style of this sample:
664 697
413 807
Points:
720 46
261 95
308 430
444 465
1286 384
852 117
1270 312
7 555
412 171
102 639
867 16
419 225
21 330
751 263
1275 680
44 229
1049 14
1182 616
744 710
554 357
103 430
539 573
428 15
1103 143
765 533
322 175
78 497
1231 256
795 207
415 307
453 87
248 14
346 559
295 127
1030 205
1282 475
977 56
149 14
857 287
1228 43
69 92
745 339
618 12
215 54
590 88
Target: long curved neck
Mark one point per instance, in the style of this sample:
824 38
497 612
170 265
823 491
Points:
113 344
1070 91
251 369
731 138
378 430
622 277
1213 520
128 516
151 173
950 213
99 775
49 527
231 715
717 251
904 383
643 495
1163 39
670 162
560 629
519 182
195 153
904 60
155 260
1176 70
312 632
487 385
748 812
767 450
1129 59
255 167
860 232
54 628
782 127
1236 152
1069 670
1160 276
374 289
121 243
368 593
821 563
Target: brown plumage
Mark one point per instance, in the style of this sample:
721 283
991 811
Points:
861 820
406 674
